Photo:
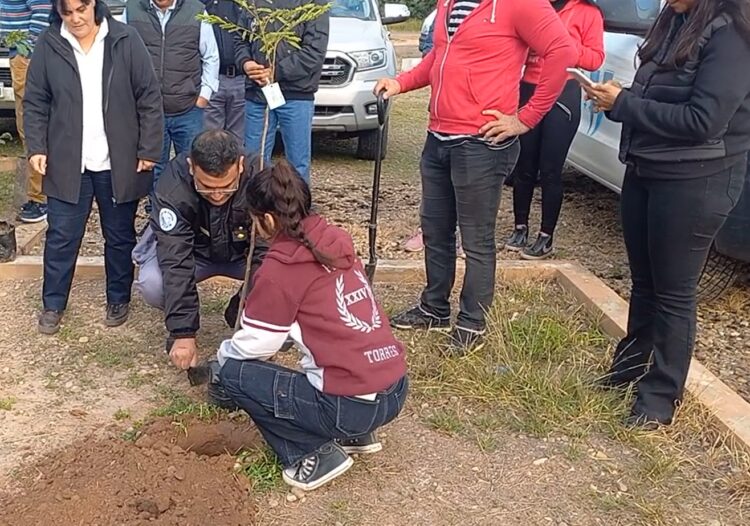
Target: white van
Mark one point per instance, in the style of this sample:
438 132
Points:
595 148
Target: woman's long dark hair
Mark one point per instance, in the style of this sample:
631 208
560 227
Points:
686 45
101 11
278 190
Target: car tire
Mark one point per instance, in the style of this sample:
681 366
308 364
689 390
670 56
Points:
367 144
719 273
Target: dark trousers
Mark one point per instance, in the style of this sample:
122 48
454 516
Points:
462 181
543 153
294 417
226 110
66 226
668 226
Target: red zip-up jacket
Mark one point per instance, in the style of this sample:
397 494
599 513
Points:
347 346
586 27
480 67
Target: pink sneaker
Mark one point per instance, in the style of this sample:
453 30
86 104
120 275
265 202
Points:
415 243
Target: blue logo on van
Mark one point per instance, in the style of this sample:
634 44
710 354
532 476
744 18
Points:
595 119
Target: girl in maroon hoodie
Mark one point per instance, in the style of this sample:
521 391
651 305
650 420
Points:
311 288
544 149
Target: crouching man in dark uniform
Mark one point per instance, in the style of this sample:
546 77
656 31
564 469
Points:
199 228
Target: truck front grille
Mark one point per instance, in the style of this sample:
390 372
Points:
336 71
330 111
5 77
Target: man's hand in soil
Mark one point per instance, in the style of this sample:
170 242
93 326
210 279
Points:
389 87
258 73
503 127
184 353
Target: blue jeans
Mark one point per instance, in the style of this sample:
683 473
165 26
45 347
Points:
294 417
179 130
294 120
66 226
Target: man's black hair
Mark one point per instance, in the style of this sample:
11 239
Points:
215 151
101 11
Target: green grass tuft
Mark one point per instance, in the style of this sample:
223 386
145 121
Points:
261 467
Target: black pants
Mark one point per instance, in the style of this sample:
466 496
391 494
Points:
462 180
668 226
543 153
66 226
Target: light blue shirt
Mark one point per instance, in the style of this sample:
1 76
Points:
207 46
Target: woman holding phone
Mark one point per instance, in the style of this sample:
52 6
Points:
685 137
544 149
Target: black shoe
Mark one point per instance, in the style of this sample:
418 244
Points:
216 394
33 212
643 422
519 239
540 249
368 443
323 466
418 318
117 314
464 340
49 321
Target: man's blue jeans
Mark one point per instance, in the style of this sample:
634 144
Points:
179 131
67 224
294 417
294 120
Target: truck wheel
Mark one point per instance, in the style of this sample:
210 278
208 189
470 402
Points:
719 273
367 144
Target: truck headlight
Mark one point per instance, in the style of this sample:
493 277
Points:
372 59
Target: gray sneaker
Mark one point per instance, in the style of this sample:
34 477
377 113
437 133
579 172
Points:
519 239
49 322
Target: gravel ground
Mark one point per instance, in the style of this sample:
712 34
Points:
589 229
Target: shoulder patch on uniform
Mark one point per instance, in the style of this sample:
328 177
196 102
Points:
167 219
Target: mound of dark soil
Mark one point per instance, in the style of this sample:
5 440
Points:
173 475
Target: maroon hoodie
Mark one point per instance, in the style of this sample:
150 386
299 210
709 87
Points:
331 313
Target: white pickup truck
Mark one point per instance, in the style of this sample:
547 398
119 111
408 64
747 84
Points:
595 148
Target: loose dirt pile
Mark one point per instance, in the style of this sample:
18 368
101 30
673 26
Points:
174 474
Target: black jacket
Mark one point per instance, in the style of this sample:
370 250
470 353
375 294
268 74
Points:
175 52
228 10
694 120
215 233
133 117
297 70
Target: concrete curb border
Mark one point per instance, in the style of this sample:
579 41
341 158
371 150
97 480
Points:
730 411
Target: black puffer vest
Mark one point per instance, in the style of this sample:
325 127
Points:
175 52
674 86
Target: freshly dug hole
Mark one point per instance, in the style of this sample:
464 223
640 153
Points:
175 474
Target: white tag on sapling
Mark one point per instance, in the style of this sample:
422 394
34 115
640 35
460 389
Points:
273 95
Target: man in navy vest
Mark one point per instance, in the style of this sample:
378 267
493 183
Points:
186 60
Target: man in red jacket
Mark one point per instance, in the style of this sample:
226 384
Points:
474 70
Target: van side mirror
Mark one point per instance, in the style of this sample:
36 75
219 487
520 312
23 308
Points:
395 13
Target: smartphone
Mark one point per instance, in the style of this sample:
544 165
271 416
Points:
581 77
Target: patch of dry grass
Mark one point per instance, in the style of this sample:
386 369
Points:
536 375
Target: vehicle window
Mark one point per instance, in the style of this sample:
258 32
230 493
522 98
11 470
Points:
629 16
361 9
